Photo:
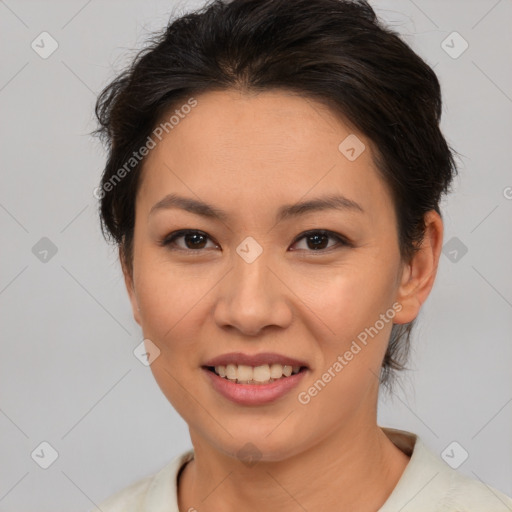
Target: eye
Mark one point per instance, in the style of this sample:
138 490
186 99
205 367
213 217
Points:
194 240
317 240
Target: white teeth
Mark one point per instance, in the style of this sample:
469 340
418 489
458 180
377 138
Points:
276 371
262 374
244 372
231 371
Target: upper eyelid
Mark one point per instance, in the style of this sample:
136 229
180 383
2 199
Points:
340 239
171 237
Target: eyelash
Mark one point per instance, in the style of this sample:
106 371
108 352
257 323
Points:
342 241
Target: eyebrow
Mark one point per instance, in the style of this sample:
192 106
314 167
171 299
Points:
338 202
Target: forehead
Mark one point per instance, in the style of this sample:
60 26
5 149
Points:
249 149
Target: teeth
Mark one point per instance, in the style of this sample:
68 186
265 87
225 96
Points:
244 373
261 373
276 371
255 374
231 372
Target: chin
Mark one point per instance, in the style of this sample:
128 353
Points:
251 448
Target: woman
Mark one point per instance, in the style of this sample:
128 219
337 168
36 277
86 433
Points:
273 183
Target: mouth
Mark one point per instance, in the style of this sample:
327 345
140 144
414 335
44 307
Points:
256 379
256 375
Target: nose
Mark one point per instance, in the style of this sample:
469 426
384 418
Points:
252 297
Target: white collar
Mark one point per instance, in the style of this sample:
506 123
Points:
427 484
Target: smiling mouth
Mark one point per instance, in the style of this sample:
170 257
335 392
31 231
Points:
263 374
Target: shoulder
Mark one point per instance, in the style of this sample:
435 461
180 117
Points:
129 499
429 484
149 493
466 494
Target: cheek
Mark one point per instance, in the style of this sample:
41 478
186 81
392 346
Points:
166 292
351 304
349 299
171 312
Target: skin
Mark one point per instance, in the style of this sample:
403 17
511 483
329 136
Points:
249 154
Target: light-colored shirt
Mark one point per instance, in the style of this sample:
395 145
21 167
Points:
428 484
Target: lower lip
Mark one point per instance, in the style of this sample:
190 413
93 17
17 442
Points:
254 394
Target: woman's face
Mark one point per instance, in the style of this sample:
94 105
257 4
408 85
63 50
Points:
250 282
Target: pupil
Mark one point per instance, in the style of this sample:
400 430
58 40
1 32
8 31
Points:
317 245
196 238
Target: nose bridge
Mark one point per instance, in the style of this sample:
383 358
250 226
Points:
251 266
251 296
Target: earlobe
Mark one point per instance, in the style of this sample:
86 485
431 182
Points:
419 274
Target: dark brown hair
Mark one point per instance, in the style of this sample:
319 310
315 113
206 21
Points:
332 51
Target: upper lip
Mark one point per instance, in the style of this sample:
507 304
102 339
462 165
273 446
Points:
254 360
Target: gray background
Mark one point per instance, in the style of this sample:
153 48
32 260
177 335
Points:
68 375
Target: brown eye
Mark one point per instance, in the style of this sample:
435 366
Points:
195 241
192 240
318 240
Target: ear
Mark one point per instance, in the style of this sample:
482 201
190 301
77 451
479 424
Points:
418 276
130 288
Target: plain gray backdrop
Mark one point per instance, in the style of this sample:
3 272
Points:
68 375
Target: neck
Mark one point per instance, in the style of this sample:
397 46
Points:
350 469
